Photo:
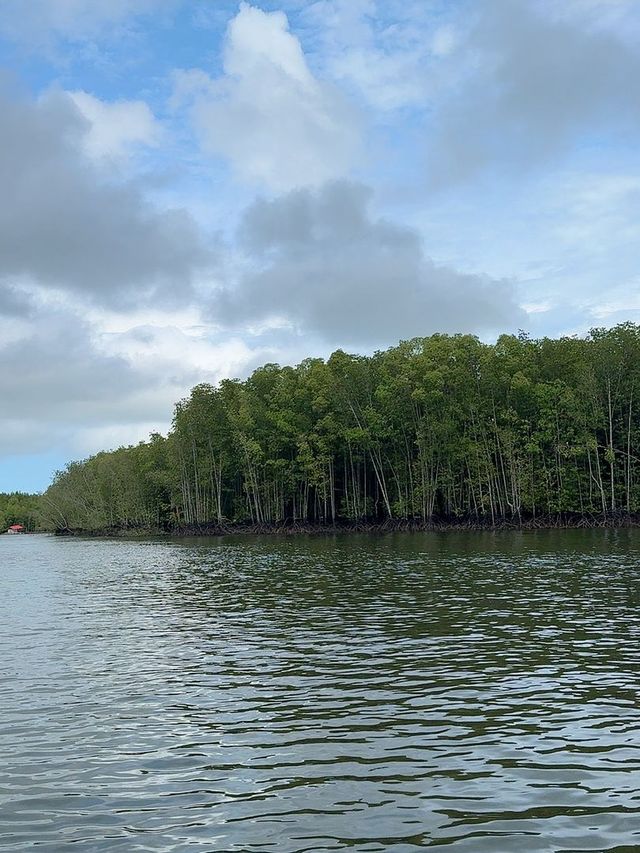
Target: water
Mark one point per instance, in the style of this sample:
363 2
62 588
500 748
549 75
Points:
360 693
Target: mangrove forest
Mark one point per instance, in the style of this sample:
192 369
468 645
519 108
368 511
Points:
438 429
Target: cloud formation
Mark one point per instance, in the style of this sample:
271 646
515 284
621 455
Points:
536 85
70 382
56 379
329 267
13 302
387 65
526 109
115 128
37 22
66 225
275 122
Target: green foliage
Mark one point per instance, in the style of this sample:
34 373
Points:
19 508
444 426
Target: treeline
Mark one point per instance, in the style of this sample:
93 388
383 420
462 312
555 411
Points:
19 508
444 427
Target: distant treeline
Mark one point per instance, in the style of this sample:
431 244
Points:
444 427
19 508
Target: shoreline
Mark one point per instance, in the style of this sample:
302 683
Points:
563 521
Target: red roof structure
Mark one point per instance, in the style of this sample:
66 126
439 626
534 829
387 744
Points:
16 527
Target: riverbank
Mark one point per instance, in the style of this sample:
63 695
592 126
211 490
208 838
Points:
562 521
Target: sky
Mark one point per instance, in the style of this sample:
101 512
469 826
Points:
193 188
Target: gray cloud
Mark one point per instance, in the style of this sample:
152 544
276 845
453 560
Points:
14 303
61 384
536 86
327 266
63 224
56 370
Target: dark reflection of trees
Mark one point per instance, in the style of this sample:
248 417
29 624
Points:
486 632
535 595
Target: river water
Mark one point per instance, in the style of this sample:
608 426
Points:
319 694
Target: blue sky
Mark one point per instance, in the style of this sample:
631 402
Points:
192 188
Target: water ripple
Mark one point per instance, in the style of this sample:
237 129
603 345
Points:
361 693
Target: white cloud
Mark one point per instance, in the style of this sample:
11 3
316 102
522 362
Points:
166 349
117 127
257 40
275 122
381 51
37 22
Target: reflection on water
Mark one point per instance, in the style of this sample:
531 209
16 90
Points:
320 694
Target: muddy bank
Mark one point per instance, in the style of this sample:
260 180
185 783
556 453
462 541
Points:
292 528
